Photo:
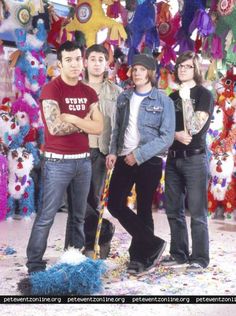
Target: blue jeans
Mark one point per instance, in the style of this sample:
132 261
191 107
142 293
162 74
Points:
93 203
57 174
187 176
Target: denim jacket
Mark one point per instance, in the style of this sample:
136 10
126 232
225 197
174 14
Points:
156 125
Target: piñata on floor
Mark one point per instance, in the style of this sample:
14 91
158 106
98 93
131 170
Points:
218 279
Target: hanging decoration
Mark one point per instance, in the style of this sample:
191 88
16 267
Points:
225 7
3 181
89 18
56 35
183 39
22 131
18 14
115 10
4 10
142 29
20 184
222 184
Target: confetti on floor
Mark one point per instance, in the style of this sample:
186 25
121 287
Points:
218 279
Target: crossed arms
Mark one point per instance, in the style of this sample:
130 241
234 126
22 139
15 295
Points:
65 124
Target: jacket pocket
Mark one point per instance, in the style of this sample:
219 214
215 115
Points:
153 114
109 106
154 108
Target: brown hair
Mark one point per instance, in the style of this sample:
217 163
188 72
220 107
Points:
151 76
98 49
196 63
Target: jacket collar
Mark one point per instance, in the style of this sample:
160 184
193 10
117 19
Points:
153 94
104 82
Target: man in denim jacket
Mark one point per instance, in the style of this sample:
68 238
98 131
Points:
143 132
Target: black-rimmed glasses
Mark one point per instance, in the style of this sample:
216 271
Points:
186 67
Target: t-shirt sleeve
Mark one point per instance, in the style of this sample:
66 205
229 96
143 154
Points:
93 98
205 102
50 91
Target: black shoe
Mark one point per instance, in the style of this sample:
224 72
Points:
194 267
135 267
107 232
154 259
90 228
170 261
105 250
104 242
30 272
106 246
33 268
24 286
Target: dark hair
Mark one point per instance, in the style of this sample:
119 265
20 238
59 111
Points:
151 76
96 48
68 46
196 63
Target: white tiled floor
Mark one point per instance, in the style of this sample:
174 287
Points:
218 279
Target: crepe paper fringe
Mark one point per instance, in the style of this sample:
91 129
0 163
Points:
67 279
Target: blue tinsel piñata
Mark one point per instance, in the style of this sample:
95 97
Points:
69 279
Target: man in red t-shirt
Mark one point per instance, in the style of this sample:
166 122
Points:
66 158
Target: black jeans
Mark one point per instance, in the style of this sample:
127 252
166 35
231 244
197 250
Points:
97 181
140 226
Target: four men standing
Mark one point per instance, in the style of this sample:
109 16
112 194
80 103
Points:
139 127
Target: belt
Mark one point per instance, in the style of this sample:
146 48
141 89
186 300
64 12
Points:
62 156
185 153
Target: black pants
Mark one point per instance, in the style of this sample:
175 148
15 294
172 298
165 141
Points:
97 181
146 178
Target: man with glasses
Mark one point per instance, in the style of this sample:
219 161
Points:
186 167
67 157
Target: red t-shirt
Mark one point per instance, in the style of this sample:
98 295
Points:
74 100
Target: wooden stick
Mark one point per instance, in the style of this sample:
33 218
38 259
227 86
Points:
101 212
